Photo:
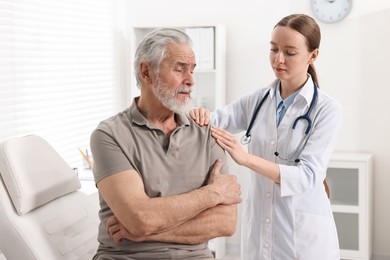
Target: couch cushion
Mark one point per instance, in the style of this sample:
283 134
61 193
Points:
34 173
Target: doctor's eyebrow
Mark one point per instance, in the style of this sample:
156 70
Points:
285 47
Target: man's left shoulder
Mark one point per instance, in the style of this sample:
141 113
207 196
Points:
193 125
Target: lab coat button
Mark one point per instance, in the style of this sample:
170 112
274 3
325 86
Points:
267 220
272 142
268 194
266 245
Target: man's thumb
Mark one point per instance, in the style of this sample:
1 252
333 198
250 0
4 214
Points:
217 166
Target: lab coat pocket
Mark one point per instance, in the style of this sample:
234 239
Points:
315 237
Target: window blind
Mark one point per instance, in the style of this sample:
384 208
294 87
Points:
57 71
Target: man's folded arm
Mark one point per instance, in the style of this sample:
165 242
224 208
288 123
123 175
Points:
218 221
143 216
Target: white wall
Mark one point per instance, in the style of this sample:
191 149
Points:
352 66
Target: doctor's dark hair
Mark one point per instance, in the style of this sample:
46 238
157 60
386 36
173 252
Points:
153 48
308 27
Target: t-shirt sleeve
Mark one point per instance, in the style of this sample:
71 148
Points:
218 153
108 158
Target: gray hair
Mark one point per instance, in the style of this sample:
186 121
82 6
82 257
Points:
153 47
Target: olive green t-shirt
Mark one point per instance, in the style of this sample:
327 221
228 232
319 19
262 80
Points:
167 166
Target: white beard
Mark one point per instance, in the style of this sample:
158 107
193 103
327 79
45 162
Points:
168 98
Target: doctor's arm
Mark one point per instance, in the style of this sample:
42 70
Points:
310 172
230 143
314 159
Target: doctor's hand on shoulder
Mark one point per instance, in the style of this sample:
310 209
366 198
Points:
230 143
200 115
226 140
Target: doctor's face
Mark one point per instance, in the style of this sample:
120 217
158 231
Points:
289 55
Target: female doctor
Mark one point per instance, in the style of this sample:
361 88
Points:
287 214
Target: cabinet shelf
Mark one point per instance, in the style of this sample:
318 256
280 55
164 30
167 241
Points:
349 176
345 209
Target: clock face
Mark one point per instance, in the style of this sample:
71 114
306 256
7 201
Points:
331 11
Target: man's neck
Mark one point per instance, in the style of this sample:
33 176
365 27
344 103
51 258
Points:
157 114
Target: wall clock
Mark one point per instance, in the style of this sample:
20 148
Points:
331 11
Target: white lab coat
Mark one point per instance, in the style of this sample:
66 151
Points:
293 219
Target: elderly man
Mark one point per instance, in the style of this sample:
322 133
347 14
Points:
164 190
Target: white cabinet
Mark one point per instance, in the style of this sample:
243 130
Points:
350 179
209 48
209 75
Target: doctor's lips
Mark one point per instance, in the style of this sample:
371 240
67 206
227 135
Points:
279 69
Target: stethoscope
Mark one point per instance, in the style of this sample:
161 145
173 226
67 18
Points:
246 138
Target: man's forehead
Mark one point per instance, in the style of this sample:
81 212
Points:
180 51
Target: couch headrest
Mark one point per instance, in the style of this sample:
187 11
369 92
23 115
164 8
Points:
34 173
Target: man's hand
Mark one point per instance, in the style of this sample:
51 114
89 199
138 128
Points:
224 189
226 186
118 232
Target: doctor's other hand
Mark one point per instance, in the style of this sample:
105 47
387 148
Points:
200 115
226 186
230 143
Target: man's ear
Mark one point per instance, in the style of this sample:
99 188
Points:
314 56
146 72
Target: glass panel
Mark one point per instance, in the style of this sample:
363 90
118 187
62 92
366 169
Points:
203 93
344 186
348 230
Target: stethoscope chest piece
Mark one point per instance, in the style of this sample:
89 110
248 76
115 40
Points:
245 139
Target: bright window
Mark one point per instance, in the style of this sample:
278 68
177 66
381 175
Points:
58 70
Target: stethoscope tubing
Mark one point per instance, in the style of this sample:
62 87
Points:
247 137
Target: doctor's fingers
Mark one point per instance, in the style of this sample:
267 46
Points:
226 145
215 131
194 113
200 115
207 117
225 138
204 116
